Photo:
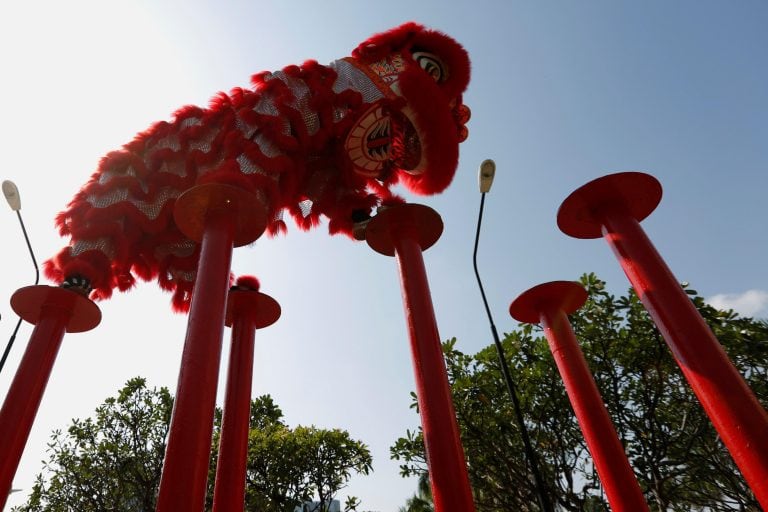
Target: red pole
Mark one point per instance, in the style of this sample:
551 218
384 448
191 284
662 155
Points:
616 203
549 304
405 231
53 311
212 213
247 310
185 469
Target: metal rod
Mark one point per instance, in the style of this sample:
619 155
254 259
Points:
530 455
37 280
29 247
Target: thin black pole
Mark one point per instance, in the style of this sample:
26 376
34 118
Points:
37 280
530 455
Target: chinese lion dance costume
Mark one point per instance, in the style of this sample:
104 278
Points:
310 140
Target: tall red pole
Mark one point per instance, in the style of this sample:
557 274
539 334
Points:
214 214
548 304
613 206
405 231
247 310
53 311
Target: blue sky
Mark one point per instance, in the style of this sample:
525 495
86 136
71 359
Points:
561 93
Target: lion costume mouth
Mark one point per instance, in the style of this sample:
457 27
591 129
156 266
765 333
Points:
386 140
382 141
406 145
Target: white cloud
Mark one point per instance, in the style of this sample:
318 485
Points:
749 303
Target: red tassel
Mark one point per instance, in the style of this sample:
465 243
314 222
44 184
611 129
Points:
248 283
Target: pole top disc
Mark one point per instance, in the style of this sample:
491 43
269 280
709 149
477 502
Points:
566 296
422 222
28 302
249 211
264 309
636 193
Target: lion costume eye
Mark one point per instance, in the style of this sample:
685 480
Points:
432 65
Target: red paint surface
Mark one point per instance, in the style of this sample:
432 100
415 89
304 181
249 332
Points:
229 489
445 455
731 406
185 469
619 481
26 391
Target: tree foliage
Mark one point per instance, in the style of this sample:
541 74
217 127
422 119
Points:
113 461
422 500
679 460
287 467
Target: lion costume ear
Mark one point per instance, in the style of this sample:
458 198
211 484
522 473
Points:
410 37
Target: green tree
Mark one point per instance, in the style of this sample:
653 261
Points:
422 500
287 467
109 462
330 457
113 461
677 456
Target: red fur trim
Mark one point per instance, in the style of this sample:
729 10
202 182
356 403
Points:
92 265
145 269
340 213
101 294
52 271
248 282
384 194
187 112
125 281
95 222
228 174
276 227
394 200
341 226
437 131
220 101
412 36
305 223
382 44
452 54
182 296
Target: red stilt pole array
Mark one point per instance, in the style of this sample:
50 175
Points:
247 310
53 311
404 231
613 206
220 216
549 304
